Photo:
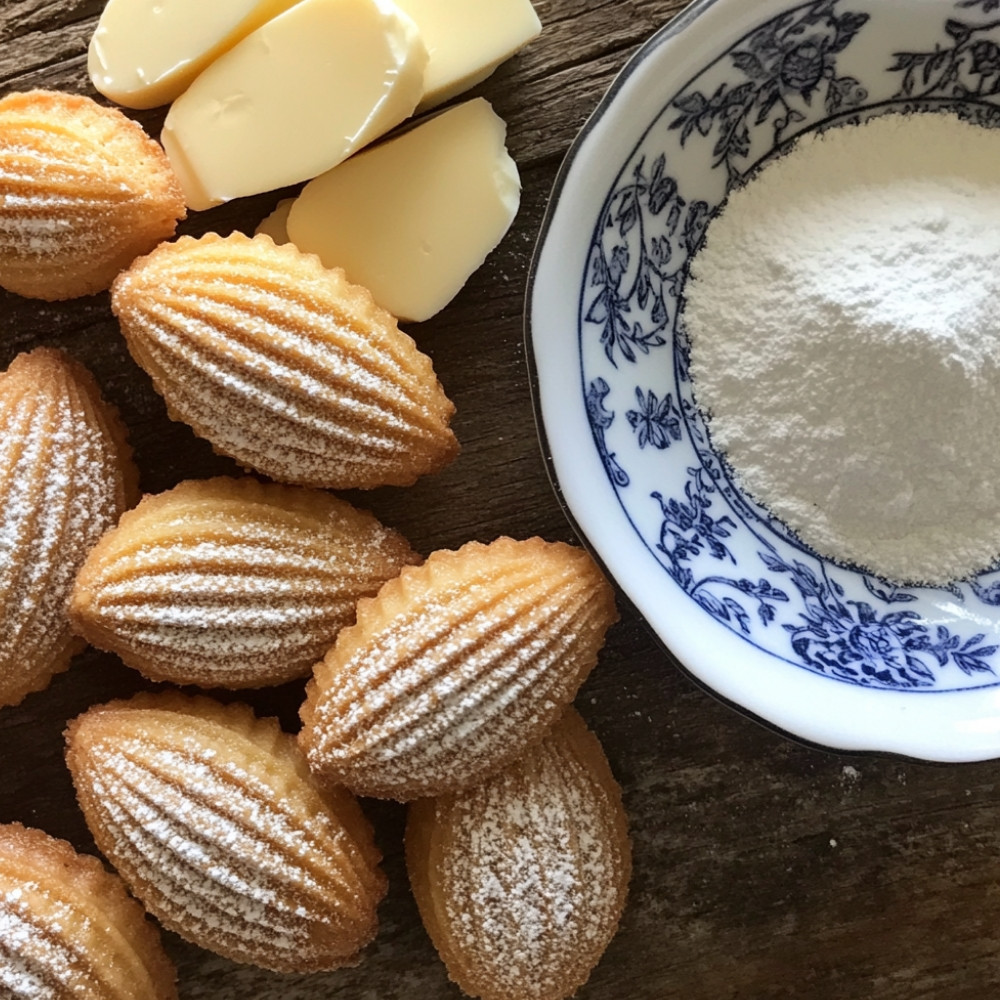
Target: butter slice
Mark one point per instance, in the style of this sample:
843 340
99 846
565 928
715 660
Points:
294 98
275 225
414 216
145 53
467 40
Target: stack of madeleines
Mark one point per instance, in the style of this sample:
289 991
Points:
444 682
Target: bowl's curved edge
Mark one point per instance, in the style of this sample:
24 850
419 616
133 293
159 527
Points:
673 27
668 30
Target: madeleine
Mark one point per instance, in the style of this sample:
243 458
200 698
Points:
456 667
284 365
232 582
521 881
85 192
68 928
66 474
210 817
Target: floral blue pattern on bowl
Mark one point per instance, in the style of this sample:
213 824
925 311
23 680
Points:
793 68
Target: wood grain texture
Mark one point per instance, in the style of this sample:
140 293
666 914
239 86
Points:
763 869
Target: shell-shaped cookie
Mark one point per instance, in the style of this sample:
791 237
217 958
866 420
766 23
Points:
283 365
455 667
211 818
84 192
521 881
232 582
69 930
66 475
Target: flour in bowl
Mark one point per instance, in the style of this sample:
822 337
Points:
844 321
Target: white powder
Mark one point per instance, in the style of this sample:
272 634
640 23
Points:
844 318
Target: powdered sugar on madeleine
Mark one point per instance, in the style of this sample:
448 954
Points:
283 364
232 582
521 880
210 816
85 192
66 474
69 928
456 667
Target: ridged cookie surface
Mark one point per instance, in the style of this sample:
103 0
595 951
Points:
210 817
66 475
68 929
232 582
85 192
455 667
284 365
521 880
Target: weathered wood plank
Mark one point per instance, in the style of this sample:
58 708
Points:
763 869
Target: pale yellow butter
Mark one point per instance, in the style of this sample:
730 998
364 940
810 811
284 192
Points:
145 53
467 40
275 225
413 217
294 98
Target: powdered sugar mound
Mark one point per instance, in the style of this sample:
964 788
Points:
845 343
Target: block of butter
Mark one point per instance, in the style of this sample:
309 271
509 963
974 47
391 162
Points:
294 98
275 225
414 216
145 53
467 40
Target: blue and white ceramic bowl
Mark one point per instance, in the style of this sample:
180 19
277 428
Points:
830 655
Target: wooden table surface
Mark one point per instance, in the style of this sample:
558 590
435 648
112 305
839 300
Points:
762 868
